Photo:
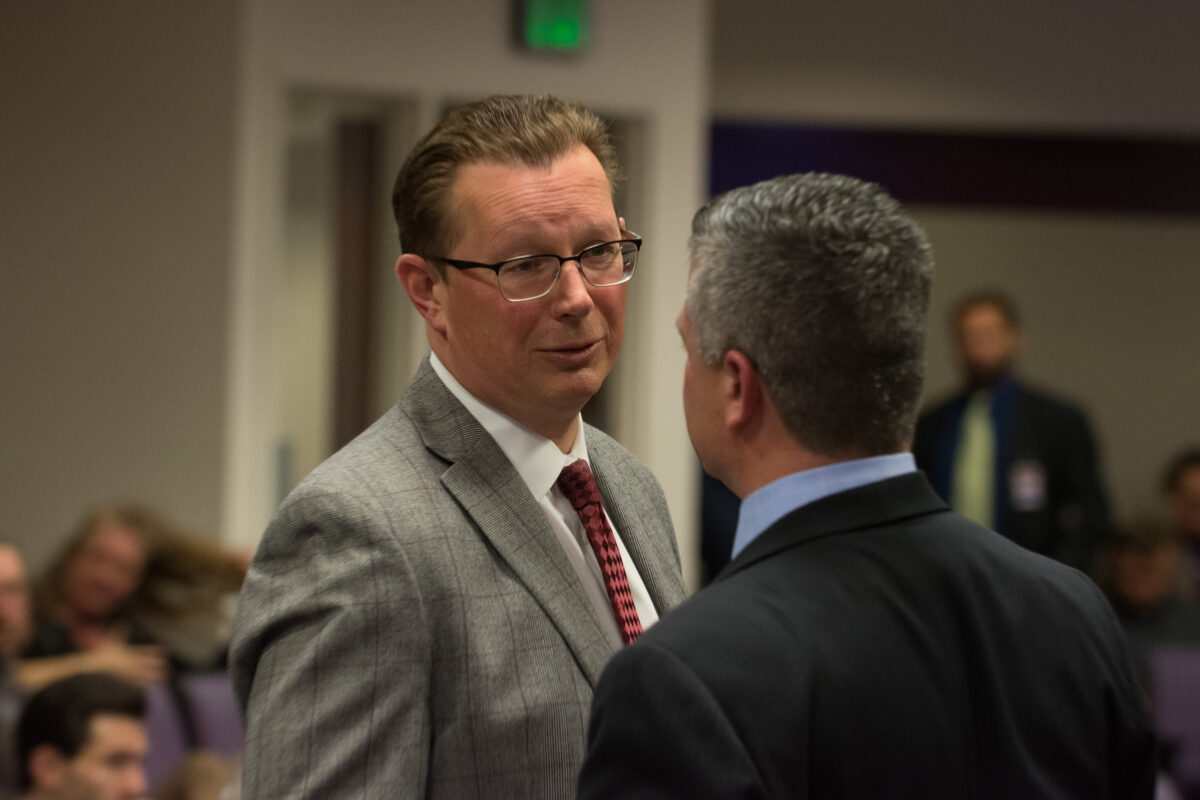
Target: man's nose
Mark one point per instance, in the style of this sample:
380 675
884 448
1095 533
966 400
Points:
135 786
573 293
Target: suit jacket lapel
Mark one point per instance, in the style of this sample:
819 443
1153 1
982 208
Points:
644 532
869 506
493 495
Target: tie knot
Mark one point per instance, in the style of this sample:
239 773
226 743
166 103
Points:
577 483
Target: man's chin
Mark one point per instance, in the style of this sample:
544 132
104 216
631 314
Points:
577 387
979 380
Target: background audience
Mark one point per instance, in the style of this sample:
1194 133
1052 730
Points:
1152 587
131 590
1181 490
133 597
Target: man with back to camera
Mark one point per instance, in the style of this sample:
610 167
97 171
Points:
1008 455
864 641
83 738
426 615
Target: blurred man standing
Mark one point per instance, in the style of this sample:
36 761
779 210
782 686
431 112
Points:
1009 456
864 641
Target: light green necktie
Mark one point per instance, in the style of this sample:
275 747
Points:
975 461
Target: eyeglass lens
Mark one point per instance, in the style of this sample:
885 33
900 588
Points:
603 265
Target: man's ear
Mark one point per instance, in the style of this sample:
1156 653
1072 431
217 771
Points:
46 767
744 390
421 281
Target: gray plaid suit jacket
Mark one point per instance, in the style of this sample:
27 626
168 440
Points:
410 627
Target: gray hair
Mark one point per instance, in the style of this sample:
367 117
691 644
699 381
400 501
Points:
823 282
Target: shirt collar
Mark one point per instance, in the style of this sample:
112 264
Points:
537 459
765 506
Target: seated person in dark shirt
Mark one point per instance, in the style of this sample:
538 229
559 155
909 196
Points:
1181 491
82 604
130 590
1151 587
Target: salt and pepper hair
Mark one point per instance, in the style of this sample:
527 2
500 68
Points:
823 282
515 130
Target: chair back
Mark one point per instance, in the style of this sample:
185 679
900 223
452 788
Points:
214 711
166 734
1175 703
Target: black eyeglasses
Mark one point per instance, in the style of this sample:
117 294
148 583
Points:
530 277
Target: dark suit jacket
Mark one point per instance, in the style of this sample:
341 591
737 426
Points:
873 644
410 626
1049 494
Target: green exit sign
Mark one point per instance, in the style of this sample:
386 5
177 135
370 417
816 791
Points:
553 25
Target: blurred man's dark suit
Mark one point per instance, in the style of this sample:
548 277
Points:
1048 493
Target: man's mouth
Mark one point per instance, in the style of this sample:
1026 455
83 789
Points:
571 352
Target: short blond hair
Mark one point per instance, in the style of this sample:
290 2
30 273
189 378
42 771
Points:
504 129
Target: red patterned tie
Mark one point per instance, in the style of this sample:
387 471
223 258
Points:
579 486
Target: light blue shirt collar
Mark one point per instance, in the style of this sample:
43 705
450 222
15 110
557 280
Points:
764 507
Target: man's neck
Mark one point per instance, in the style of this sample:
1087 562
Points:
761 466
772 501
987 383
560 428
565 440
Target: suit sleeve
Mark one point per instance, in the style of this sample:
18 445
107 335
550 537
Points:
330 661
658 732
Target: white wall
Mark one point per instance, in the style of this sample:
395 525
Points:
1039 65
116 152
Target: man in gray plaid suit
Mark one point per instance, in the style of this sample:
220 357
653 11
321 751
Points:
425 616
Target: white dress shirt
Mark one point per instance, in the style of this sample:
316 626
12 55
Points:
539 462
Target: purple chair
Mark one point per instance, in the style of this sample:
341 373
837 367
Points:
214 712
166 735
1175 700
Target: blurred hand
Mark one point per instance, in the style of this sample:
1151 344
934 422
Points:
140 664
